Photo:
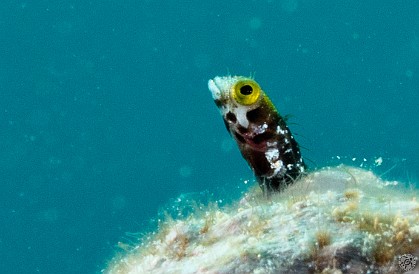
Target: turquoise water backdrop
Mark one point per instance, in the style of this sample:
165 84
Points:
105 115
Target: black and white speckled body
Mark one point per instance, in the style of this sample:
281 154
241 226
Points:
261 133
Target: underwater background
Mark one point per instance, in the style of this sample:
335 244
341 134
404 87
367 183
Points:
106 118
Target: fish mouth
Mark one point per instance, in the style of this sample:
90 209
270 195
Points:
214 88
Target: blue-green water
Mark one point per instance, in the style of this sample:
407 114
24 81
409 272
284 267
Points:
105 114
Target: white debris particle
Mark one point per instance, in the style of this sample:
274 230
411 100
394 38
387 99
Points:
378 161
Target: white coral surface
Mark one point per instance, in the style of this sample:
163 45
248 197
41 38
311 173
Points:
335 220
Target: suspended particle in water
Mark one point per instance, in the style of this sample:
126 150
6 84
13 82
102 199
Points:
49 215
255 23
185 171
378 161
409 73
118 202
289 6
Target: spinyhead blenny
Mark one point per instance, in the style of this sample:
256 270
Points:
261 133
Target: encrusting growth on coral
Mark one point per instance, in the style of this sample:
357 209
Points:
335 220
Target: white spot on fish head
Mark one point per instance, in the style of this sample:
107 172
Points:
241 112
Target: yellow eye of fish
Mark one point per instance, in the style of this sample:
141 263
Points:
246 92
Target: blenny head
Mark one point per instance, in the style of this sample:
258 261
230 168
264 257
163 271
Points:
236 95
261 133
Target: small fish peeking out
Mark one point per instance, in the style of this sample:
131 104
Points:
264 139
